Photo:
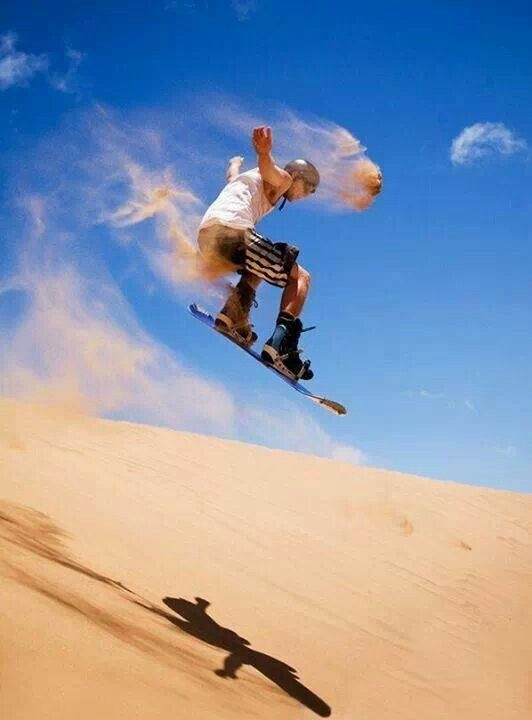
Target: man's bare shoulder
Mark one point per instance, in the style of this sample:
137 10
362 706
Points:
274 192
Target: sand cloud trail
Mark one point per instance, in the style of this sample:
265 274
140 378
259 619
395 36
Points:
104 186
343 161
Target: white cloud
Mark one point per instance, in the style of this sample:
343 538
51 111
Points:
480 139
67 82
17 68
507 450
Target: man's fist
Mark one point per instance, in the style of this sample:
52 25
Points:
262 140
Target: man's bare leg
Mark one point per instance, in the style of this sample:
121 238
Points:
252 280
282 349
296 291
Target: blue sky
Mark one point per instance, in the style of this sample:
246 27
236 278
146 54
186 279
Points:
422 302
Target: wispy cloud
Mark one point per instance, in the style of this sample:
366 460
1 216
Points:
430 395
507 450
481 139
67 82
17 68
451 403
243 8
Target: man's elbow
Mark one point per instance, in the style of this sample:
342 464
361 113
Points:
275 176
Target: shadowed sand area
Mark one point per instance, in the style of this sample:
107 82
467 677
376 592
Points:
147 573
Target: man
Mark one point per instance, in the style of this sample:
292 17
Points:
228 242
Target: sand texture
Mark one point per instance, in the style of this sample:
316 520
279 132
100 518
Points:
147 573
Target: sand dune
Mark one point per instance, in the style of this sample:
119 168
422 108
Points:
147 573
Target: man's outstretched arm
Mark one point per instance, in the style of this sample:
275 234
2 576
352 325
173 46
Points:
270 172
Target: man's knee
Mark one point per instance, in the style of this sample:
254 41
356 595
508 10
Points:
300 275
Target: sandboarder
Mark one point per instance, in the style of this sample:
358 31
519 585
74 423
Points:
228 242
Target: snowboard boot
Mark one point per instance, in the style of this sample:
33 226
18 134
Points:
282 351
233 318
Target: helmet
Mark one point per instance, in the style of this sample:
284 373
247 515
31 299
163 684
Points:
305 170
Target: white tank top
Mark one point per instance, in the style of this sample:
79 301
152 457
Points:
241 204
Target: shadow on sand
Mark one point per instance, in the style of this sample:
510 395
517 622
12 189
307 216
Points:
196 622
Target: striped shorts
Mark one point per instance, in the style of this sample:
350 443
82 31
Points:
247 250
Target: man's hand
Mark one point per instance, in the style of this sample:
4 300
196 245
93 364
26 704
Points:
262 140
233 168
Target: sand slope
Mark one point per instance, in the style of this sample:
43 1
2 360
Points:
140 568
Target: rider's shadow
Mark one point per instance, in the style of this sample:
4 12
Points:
196 622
